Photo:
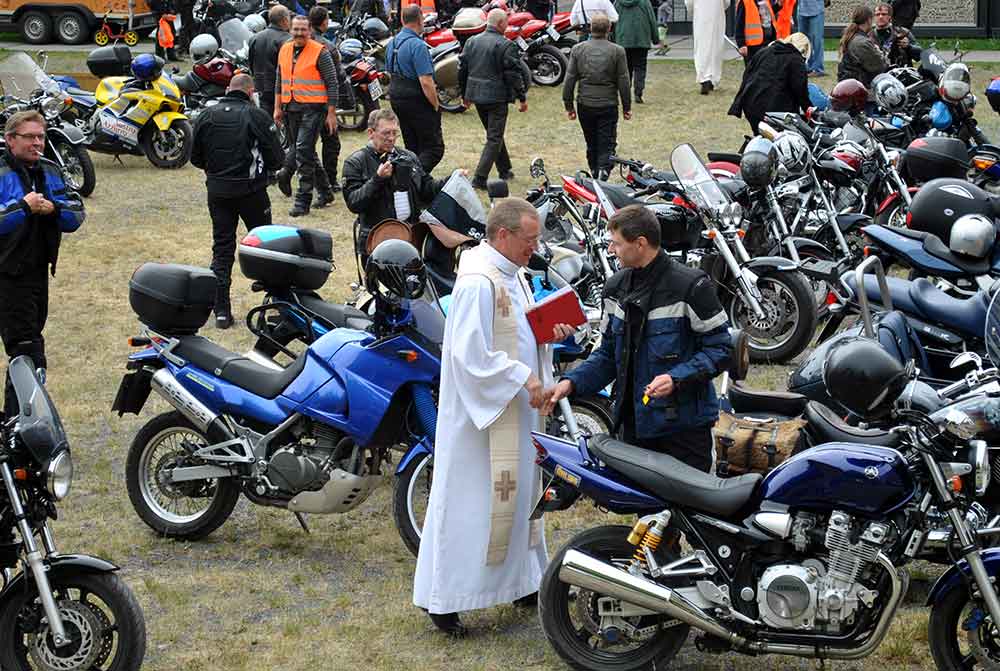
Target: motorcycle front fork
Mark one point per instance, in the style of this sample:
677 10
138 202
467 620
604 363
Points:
34 559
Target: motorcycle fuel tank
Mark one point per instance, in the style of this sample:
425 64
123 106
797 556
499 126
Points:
858 479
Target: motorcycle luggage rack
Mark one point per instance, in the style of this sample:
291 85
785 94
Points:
257 324
862 294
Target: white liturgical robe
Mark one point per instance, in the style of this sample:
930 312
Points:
708 27
477 384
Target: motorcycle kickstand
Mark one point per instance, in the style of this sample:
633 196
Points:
302 522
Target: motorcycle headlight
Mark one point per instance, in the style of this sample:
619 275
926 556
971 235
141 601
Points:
979 457
59 476
53 107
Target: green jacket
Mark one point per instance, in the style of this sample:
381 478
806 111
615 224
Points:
636 27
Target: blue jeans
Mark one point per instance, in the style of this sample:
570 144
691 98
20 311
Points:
812 26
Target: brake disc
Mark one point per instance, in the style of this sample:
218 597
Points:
86 640
985 644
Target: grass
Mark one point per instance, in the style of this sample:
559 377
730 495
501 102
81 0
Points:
945 43
259 593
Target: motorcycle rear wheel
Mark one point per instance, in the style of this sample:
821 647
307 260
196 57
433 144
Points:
357 118
170 148
80 172
157 502
101 616
572 627
548 66
450 100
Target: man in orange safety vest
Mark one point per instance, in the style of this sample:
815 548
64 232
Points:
755 26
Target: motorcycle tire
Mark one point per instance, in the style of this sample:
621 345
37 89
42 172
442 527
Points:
795 287
80 173
100 613
355 121
893 216
548 65
950 644
556 608
223 493
450 100
151 136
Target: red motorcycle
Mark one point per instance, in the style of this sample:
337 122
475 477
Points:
368 84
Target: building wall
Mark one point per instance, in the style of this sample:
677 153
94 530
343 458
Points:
936 12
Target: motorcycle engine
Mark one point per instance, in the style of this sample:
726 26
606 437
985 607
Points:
822 594
305 465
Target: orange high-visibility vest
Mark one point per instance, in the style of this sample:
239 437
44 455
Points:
426 6
783 26
302 81
754 31
165 31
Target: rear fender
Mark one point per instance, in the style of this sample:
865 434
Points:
58 566
892 198
952 578
164 119
762 263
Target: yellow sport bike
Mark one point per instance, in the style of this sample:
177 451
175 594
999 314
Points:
142 118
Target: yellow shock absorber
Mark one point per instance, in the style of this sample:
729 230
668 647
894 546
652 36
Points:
651 539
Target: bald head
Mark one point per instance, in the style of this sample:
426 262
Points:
242 83
497 18
279 16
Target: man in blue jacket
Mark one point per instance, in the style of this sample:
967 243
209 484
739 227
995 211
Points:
665 338
36 208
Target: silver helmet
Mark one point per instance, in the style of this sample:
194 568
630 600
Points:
955 82
202 47
255 23
793 152
972 235
890 94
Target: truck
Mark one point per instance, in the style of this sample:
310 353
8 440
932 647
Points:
73 21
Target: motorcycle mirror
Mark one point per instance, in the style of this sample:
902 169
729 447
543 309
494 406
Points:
538 263
497 188
43 58
966 358
537 168
647 171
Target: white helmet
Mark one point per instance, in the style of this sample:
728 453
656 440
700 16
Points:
890 94
255 23
972 235
202 47
793 152
955 82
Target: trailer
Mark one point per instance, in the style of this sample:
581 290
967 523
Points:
72 21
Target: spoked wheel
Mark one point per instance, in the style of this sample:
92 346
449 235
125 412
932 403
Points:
450 99
789 318
170 148
356 118
893 216
962 635
593 416
572 621
410 493
101 617
79 168
191 509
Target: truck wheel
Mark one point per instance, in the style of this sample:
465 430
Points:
72 28
36 27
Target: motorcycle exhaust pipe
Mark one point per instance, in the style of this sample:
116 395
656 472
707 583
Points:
584 571
166 385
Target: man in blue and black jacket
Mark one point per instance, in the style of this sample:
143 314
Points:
37 208
665 338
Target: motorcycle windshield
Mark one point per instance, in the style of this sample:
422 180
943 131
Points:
931 63
699 184
428 315
20 76
38 425
234 36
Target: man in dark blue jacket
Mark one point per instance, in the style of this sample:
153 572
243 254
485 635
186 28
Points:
665 338
35 210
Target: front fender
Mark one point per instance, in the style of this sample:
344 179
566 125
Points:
58 566
164 119
418 451
892 198
68 132
952 579
772 263
806 246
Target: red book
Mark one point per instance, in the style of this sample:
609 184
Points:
559 307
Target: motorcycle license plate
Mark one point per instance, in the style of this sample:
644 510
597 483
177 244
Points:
119 128
375 89
553 33
521 43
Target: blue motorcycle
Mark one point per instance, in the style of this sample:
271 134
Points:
807 561
311 437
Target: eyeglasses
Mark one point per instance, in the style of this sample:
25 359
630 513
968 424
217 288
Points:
34 137
533 240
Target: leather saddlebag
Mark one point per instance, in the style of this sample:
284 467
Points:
751 445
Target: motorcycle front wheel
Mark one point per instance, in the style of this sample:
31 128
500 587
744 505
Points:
789 319
962 635
188 510
170 148
450 100
101 616
357 117
579 634
78 167
548 65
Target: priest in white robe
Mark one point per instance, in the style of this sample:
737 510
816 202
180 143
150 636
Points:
708 28
478 547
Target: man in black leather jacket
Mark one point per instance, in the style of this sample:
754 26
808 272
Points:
236 144
263 54
383 181
491 76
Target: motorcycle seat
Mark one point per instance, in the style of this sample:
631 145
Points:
78 93
444 48
188 81
827 427
236 368
620 196
724 157
672 479
934 246
336 315
749 401
965 314
899 290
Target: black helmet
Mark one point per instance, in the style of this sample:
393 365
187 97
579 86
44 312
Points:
941 202
395 271
759 165
862 377
375 29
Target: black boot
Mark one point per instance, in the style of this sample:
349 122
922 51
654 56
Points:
705 88
172 55
335 185
285 182
223 308
529 601
449 624
324 199
300 209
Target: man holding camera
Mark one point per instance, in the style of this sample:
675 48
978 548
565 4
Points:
383 181
898 43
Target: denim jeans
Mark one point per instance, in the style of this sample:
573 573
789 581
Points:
812 26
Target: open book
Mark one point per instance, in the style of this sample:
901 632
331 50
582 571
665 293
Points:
559 307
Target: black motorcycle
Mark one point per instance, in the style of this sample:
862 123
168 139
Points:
60 611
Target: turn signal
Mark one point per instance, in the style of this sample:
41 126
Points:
138 341
408 355
983 163
955 484
868 251
542 453
20 474
711 234
741 233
